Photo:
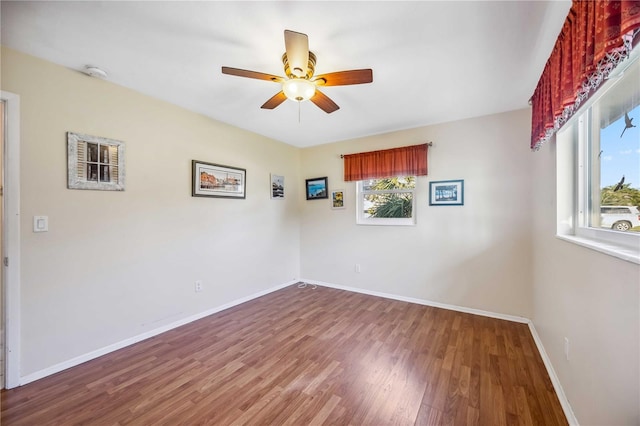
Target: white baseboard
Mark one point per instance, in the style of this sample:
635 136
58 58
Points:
135 339
566 407
513 318
564 402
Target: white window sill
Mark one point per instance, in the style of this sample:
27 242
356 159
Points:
625 253
383 222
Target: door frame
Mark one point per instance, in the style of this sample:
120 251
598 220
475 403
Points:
11 239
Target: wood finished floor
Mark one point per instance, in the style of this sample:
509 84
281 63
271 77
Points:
307 357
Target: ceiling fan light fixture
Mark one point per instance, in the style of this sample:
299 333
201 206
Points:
299 83
298 89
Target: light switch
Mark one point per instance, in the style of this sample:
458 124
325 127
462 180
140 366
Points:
40 223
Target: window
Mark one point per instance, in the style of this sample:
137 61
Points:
387 201
599 167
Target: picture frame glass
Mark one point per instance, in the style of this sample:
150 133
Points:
316 188
446 193
217 180
337 199
277 187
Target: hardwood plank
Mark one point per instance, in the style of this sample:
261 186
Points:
428 416
305 356
473 417
321 415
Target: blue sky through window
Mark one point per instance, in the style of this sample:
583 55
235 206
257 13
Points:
621 155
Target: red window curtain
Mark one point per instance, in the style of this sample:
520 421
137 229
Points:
405 161
597 35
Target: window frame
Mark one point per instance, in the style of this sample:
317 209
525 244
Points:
385 221
78 163
576 146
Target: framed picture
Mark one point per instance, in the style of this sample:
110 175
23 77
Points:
216 180
317 188
277 187
337 199
446 193
94 163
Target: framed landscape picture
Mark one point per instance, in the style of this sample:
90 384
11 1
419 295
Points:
216 180
446 193
277 187
317 188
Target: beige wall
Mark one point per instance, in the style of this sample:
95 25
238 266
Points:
592 299
118 264
476 256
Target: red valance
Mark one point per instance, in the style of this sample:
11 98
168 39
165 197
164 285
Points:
597 35
405 161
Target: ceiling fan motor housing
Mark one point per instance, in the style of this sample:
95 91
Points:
311 67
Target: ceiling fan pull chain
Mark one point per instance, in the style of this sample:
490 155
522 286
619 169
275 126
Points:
299 111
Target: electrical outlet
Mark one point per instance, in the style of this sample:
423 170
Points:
198 286
566 348
357 267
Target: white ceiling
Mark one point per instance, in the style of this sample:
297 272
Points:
432 61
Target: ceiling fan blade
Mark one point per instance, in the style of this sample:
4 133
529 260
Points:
252 74
275 100
344 78
297 48
324 102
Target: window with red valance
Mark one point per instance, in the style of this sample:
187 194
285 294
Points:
597 35
404 161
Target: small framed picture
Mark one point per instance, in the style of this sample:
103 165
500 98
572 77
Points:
216 180
277 187
94 162
446 193
317 188
337 199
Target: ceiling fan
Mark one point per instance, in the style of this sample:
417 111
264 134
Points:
300 84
